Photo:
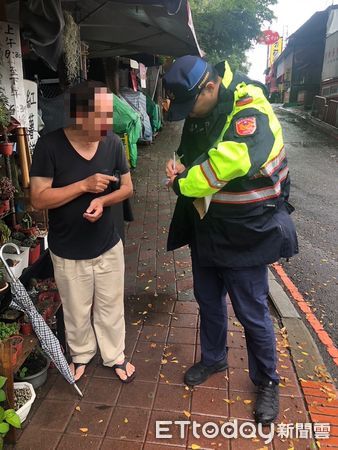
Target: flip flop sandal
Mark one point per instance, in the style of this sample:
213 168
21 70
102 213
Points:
77 366
123 367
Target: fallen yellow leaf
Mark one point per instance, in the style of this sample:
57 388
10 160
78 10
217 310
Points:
84 430
187 414
78 408
195 446
125 420
247 402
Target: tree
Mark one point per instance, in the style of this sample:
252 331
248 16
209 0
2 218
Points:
226 28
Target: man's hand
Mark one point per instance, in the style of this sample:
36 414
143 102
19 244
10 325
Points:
94 211
170 181
173 169
97 183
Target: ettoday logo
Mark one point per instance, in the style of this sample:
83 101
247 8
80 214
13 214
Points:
247 430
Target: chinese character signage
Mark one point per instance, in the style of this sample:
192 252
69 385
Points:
31 92
275 50
11 76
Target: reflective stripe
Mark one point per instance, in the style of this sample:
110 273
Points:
256 195
271 166
210 175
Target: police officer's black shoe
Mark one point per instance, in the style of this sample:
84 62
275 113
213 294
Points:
199 372
267 403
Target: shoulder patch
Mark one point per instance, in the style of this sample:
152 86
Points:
246 126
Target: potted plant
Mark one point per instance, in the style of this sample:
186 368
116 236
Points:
7 191
24 396
5 232
26 327
8 417
49 295
17 343
26 225
6 147
34 248
34 369
47 284
6 331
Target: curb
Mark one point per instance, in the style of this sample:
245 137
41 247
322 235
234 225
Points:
323 126
319 391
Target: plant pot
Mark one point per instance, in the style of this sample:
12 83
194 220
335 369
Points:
6 148
33 231
26 328
34 253
23 411
17 343
39 378
4 207
29 231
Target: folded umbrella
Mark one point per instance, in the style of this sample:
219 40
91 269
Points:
49 342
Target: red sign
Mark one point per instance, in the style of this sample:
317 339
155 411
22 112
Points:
268 37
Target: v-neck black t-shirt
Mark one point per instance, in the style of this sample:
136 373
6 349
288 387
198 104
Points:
71 236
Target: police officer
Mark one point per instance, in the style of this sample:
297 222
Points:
232 185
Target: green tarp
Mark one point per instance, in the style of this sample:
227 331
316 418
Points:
153 111
127 120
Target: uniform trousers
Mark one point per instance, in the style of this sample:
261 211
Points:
248 290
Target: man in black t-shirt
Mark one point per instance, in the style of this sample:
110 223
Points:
73 175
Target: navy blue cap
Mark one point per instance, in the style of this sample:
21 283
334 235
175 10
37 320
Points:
183 82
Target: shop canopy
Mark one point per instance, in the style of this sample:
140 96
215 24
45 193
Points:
126 27
110 27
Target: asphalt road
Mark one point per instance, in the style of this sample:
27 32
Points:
313 158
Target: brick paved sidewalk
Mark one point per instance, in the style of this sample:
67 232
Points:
162 341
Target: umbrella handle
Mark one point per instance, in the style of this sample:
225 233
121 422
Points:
9 244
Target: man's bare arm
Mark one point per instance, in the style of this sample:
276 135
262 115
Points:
125 191
43 196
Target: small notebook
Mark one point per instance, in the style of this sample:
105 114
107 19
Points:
202 205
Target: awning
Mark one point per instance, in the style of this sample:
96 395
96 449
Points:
114 28
111 27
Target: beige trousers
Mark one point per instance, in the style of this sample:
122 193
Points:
91 292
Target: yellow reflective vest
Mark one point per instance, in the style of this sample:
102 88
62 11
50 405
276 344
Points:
247 162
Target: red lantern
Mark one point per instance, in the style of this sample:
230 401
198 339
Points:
268 37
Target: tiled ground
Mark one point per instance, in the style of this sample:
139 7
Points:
162 341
